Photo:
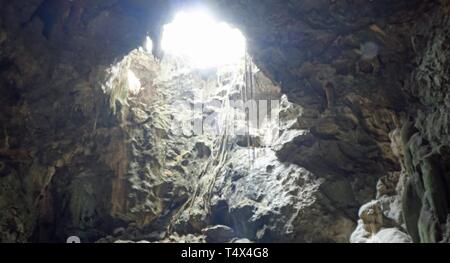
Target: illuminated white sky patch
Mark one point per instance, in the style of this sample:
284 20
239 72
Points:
205 42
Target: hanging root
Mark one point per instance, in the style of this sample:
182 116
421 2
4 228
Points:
220 149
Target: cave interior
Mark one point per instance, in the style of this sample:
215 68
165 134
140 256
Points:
225 121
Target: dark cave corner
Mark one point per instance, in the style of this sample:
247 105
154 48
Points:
88 147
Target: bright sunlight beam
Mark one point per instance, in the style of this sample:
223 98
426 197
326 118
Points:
204 42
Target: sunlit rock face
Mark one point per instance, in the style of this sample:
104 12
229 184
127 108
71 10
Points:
61 146
355 68
369 85
178 182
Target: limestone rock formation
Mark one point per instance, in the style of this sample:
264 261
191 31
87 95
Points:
364 125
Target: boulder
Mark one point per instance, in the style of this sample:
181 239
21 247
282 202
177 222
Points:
218 234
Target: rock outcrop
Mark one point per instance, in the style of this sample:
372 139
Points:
84 152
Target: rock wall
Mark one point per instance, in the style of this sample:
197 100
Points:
426 137
416 199
61 146
370 78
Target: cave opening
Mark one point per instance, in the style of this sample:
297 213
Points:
207 119
202 41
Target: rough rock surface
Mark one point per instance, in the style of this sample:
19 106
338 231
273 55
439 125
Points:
365 72
218 234
370 80
62 150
